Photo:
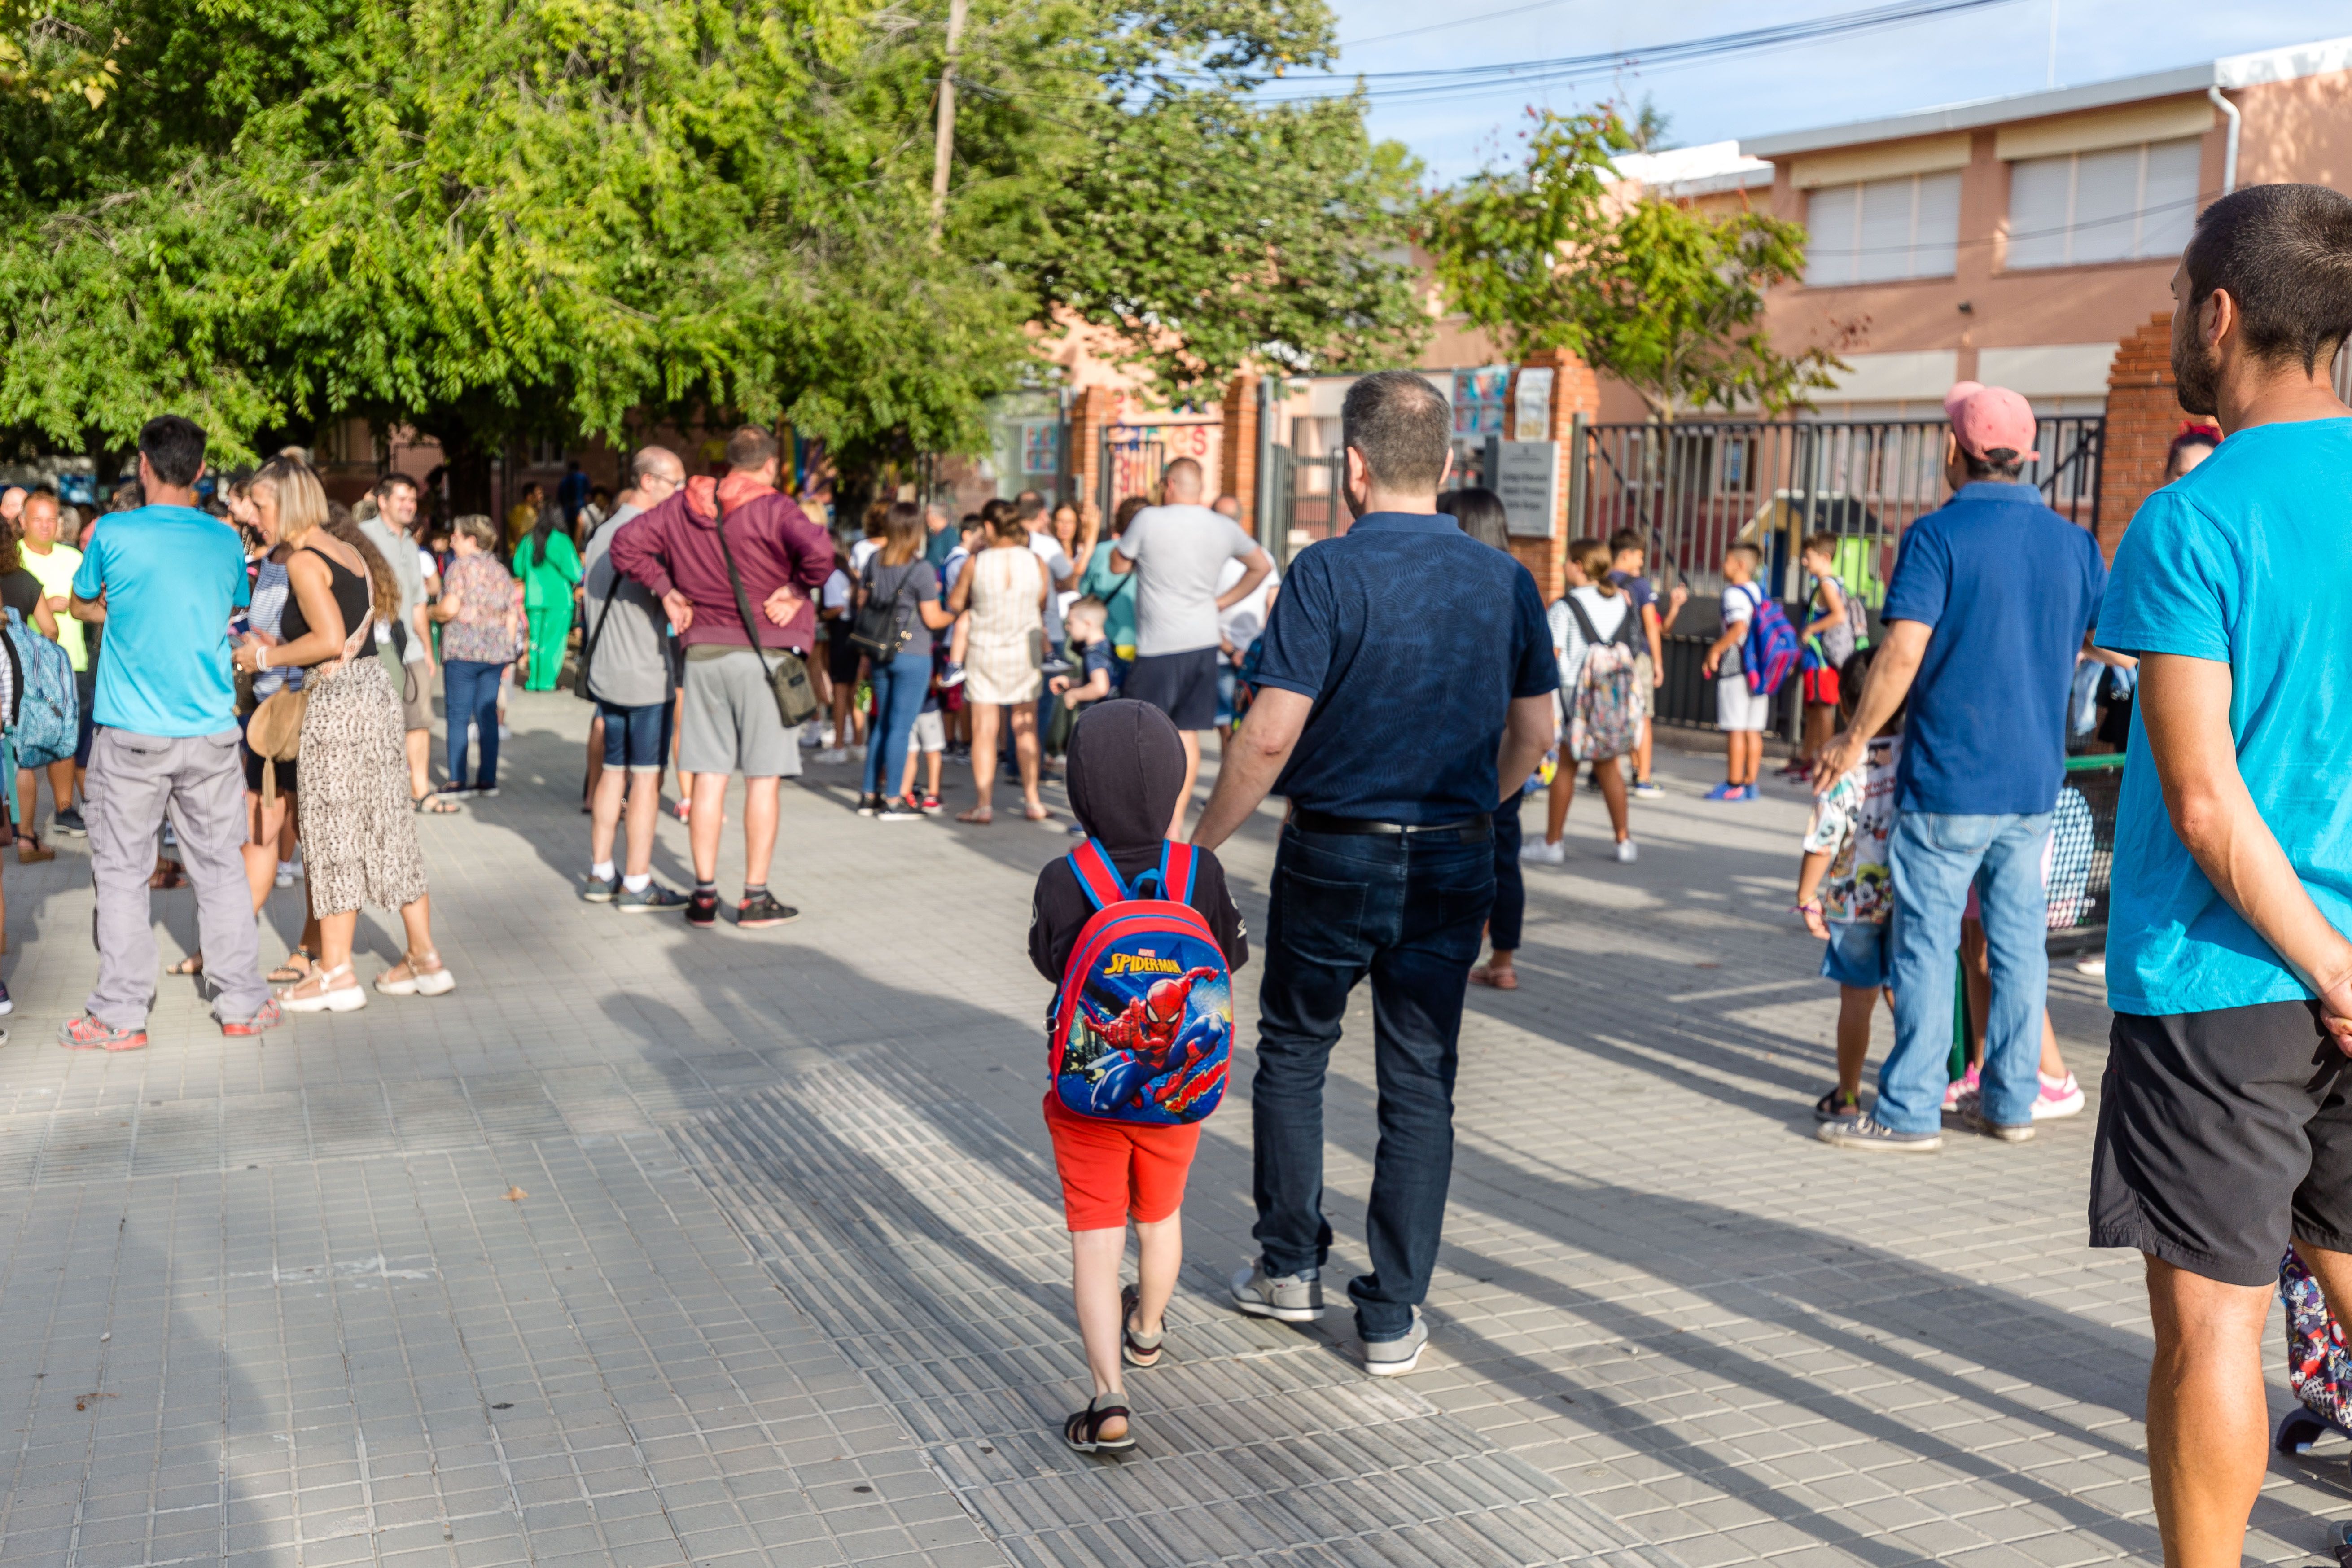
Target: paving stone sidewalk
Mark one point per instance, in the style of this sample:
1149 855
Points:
651 1248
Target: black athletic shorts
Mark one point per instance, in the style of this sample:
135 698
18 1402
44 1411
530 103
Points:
841 654
1181 685
2220 1135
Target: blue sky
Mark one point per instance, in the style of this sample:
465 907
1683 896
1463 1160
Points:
2002 49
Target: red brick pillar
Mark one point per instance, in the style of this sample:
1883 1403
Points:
2143 417
1237 447
1575 390
1089 411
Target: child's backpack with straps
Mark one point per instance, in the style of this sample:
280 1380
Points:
1772 650
1604 716
48 712
1142 1024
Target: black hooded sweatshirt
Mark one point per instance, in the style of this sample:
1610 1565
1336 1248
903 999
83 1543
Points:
1125 768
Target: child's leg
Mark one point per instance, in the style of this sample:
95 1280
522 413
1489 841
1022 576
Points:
1613 795
1755 762
1094 1267
932 773
1976 970
1732 753
1563 791
1855 1005
2054 1066
1159 1244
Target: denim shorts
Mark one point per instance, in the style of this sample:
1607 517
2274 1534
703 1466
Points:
1856 955
635 738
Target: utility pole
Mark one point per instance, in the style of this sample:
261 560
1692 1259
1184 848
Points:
944 148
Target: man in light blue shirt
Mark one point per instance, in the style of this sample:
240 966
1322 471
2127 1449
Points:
164 580
2224 1130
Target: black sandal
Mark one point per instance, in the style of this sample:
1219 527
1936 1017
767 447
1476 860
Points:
1131 1345
287 974
1083 1431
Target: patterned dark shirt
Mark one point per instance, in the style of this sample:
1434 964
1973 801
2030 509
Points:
1412 639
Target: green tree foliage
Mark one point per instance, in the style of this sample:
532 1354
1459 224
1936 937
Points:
1667 299
494 218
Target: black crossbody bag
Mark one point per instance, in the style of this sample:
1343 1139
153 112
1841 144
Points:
880 631
788 675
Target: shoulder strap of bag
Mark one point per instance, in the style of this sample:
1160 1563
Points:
596 633
1583 622
1178 862
1097 878
735 581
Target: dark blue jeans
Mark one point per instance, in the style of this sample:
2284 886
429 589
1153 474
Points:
1504 925
1407 911
469 689
898 697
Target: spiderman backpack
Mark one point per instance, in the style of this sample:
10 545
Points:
1142 1024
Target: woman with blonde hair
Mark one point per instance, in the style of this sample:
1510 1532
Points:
1005 585
357 829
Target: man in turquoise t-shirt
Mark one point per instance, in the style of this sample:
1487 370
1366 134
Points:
164 580
2223 1125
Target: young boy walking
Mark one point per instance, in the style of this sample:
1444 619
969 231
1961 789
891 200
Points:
1845 891
1168 1046
1741 713
1628 558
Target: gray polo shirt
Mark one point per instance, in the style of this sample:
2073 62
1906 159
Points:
630 667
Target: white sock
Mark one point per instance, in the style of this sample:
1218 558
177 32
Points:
602 871
638 883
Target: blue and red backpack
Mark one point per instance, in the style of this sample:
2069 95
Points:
1141 1028
1771 651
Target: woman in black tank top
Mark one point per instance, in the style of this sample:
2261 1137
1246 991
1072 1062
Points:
359 831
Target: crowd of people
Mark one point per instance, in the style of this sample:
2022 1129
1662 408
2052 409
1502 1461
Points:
229 686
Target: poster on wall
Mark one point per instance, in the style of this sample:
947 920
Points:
1531 412
1479 398
1041 446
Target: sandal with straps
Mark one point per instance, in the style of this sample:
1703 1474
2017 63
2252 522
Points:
327 998
427 976
1140 1350
288 973
1084 1430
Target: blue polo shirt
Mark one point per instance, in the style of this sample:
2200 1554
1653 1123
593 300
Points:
171 578
1411 638
2009 588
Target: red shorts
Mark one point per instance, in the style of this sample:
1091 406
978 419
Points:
1113 1169
1822 687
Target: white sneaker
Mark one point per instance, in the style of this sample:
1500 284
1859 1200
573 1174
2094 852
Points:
2094 967
286 873
2059 1099
833 756
1539 853
1626 852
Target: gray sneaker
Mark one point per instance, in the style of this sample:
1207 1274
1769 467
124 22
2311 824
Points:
1394 1358
1971 1111
653 898
1288 1298
599 889
1865 1132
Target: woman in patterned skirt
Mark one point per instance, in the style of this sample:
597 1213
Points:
1005 586
358 828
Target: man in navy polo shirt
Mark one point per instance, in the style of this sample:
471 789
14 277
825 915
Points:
1406 670
1992 599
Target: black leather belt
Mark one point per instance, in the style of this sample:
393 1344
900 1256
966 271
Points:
1462 828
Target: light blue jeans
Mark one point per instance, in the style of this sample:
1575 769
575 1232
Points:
1935 859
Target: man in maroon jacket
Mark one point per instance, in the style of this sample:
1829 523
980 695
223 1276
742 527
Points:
729 723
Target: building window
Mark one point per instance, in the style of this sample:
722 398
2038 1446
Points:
2119 205
1883 229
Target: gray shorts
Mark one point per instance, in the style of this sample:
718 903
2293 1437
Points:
730 724
930 732
415 696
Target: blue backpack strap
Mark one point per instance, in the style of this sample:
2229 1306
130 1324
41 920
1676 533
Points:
1177 862
1097 878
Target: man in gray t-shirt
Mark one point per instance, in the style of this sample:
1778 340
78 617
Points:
625 651
395 510
1177 551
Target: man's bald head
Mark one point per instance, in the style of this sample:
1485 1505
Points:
657 462
1182 481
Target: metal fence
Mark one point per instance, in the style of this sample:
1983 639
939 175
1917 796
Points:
1131 458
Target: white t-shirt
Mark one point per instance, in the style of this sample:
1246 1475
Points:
1048 549
1179 553
1740 601
1240 622
835 592
861 552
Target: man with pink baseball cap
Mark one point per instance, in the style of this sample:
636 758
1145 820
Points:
1992 599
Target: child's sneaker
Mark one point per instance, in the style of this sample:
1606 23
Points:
1726 792
1626 852
2059 1097
1749 792
1643 789
1541 853
1966 1084
950 674
931 806
1837 1105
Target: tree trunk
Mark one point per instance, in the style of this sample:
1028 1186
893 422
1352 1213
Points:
468 464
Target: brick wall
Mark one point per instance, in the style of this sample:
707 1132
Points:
1237 447
1575 390
2143 417
1092 409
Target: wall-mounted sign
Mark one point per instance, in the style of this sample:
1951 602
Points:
1525 475
1532 415
1479 399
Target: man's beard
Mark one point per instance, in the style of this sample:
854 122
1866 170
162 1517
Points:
2196 376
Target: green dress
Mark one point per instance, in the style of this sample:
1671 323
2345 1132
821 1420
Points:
547 588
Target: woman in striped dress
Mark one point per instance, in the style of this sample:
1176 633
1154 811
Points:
1005 586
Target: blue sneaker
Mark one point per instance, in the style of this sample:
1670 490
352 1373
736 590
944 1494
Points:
1747 792
1726 792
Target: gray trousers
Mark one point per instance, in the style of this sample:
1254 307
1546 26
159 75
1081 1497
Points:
133 778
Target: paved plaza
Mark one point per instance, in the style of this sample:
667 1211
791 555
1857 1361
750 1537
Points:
649 1248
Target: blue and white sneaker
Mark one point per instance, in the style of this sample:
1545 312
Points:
1866 1132
1726 792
